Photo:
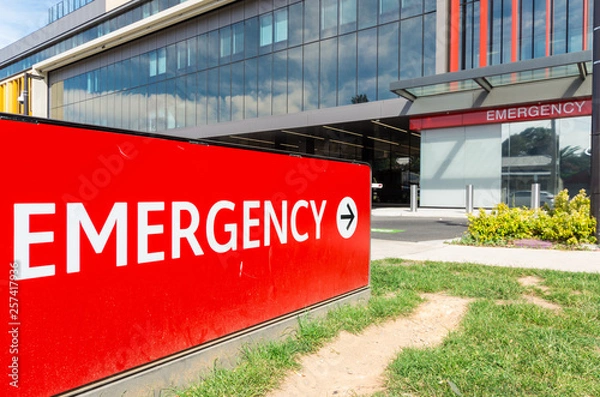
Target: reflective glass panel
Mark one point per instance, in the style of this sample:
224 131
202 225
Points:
329 18
387 64
311 20
559 38
180 101
347 69
575 24
265 81
411 8
429 44
238 42
389 10
328 74
212 100
225 93
190 99
251 88
295 24
201 98
266 30
367 13
281 25
280 82
367 64
237 91
311 76
294 80
225 47
411 46
251 37
348 16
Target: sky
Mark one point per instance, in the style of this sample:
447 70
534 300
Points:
21 17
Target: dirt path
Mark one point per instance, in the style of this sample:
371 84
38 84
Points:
354 364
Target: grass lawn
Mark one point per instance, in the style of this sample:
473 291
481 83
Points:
510 349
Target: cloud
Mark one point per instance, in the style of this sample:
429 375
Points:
20 18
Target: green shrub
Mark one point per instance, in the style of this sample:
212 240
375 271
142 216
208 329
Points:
569 222
502 224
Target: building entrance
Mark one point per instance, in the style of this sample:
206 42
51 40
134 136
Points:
392 150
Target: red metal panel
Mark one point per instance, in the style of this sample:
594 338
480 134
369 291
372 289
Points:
586 15
179 244
515 31
483 32
538 111
454 35
548 25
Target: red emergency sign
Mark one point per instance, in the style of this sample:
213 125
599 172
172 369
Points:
524 112
119 249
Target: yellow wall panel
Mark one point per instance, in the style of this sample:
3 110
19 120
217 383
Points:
9 96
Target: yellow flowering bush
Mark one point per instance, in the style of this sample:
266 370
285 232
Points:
569 222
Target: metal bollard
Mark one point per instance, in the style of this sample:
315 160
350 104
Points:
535 196
469 199
414 189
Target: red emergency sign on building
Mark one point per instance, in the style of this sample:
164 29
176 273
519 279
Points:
120 249
538 111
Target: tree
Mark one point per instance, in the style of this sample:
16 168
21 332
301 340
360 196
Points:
533 141
360 98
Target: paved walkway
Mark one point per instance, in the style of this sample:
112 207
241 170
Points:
580 261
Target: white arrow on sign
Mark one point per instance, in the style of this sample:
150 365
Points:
347 217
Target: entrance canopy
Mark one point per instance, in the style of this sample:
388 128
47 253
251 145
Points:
490 77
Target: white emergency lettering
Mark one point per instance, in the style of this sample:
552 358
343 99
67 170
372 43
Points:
255 220
78 216
24 238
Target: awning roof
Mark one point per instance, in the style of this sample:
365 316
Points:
489 77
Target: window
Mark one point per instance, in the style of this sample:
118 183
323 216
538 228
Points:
411 60
295 24
281 25
311 20
559 38
186 54
251 37
367 63
367 13
389 10
237 50
411 8
329 18
328 73
347 16
575 23
158 62
387 65
266 30
346 69
225 43
152 64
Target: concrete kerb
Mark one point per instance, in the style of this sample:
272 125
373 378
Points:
443 251
421 212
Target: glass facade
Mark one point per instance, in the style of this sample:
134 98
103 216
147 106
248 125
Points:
65 7
553 153
392 150
307 55
503 160
532 29
110 25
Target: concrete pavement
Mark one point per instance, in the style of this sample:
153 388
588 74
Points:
580 261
